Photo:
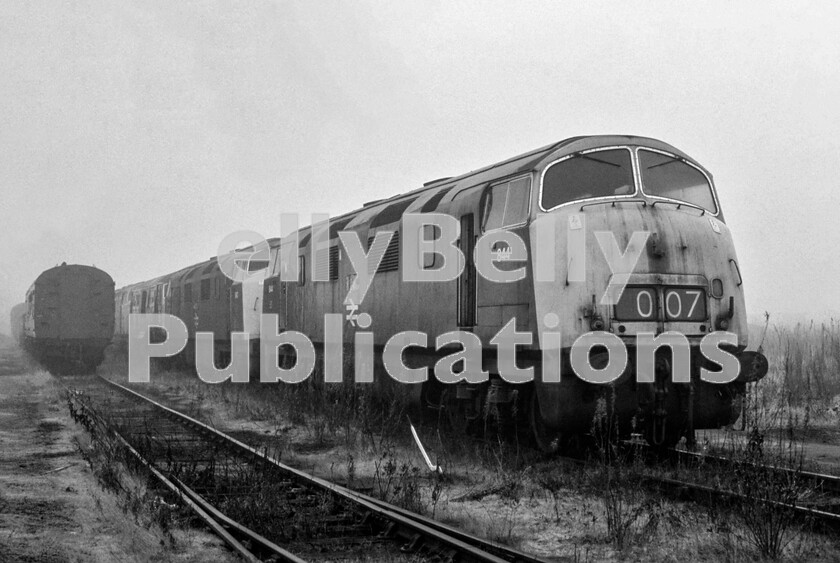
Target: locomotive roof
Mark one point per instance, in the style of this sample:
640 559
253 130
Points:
543 155
525 162
49 275
429 196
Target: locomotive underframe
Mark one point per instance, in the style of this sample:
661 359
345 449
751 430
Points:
663 411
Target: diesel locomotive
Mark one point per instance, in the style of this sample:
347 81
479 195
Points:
624 237
67 320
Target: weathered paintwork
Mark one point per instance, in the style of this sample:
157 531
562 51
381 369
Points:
687 246
689 243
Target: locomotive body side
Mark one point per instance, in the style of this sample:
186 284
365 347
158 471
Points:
198 295
471 302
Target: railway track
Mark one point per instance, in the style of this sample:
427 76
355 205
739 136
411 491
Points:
819 502
224 480
263 509
818 498
819 482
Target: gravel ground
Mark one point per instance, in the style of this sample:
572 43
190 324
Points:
52 508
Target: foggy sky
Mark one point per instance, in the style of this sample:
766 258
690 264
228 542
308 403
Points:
135 136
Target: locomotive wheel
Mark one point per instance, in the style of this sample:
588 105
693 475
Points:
673 434
450 413
430 401
547 440
461 416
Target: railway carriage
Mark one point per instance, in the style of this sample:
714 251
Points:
69 318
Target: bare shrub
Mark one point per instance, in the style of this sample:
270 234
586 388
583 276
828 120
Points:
801 387
397 482
631 514
120 473
768 495
553 484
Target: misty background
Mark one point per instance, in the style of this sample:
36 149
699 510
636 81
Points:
135 136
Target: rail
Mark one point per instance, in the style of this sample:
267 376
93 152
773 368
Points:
411 532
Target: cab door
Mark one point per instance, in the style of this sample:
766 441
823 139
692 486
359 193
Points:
276 296
236 312
274 300
467 280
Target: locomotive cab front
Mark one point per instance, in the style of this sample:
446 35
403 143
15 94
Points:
642 256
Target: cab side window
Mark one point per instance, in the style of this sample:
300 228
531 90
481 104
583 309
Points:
430 234
507 204
205 289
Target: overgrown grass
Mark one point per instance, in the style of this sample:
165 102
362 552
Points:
770 496
801 391
495 488
118 472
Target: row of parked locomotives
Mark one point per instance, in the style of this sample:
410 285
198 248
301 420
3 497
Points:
199 295
67 320
594 214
